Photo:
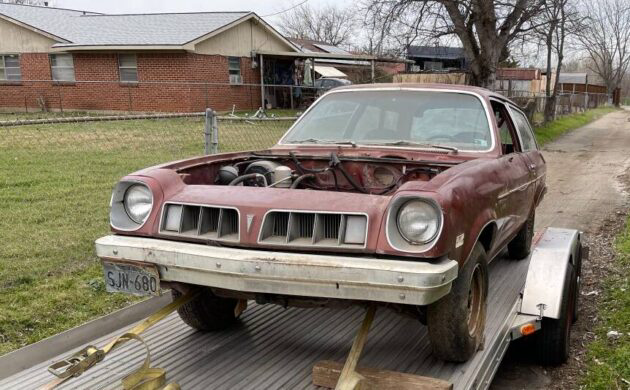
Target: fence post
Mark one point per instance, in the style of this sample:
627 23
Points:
211 132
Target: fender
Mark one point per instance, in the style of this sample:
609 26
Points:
485 218
546 276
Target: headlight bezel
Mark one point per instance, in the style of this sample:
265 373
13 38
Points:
119 217
395 237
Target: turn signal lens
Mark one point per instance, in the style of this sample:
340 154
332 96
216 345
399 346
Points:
527 329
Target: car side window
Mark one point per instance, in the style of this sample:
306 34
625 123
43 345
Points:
508 144
524 131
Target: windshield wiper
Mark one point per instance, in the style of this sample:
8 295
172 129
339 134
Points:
324 141
411 143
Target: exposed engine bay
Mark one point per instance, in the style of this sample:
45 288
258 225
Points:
376 176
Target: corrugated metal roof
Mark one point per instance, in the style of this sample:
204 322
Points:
439 52
276 348
90 29
329 71
572 78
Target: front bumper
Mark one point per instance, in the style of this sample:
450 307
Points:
284 273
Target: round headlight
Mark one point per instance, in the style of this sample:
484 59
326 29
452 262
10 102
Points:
418 221
138 202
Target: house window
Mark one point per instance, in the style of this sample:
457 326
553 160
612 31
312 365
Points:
128 68
10 67
62 67
234 68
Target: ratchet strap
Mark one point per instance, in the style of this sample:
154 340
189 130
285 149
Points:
142 378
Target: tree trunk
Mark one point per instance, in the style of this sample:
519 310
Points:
484 72
550 102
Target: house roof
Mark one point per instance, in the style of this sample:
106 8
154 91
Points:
309 45
323 48
440 52
79 28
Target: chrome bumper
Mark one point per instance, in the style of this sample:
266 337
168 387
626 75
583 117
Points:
284 273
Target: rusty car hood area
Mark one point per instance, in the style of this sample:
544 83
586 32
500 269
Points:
311 199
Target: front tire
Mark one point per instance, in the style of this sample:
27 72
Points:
521 245
207 312
456 322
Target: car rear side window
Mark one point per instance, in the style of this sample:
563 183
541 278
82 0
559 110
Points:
524 131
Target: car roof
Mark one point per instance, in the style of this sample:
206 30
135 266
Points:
454 87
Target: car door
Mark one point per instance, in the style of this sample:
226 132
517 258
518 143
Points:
515 175
533 159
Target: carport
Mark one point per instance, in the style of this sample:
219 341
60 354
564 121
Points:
286 78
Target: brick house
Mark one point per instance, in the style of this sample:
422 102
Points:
65 59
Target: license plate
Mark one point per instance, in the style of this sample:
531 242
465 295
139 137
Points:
131 279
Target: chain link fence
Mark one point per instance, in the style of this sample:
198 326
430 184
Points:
566 103
232 133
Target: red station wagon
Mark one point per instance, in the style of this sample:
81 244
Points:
392 194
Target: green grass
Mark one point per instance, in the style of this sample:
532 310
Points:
609 360
551 131
55 185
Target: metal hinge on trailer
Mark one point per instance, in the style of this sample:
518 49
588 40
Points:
143 378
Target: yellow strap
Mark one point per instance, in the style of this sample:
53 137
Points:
145 377
153 319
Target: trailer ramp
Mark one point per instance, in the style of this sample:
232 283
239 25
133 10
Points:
276 348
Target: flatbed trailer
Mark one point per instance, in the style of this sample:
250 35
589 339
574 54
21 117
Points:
277 348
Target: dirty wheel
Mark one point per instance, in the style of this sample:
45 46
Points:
207 311
520 246
552 341
456 322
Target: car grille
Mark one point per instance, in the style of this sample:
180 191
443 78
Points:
206 222
313 229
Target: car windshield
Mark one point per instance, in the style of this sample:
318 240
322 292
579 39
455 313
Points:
446 120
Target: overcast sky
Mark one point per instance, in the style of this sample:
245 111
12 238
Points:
261 7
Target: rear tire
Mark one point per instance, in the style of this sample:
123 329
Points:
456 322
553 340
521 245
207 312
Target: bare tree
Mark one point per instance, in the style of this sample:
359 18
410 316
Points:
485 28
559 19
606 40
331 24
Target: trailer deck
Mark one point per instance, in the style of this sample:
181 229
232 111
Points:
277 348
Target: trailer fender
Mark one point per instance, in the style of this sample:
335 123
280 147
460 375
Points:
546 276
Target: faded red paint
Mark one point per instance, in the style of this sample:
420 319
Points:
474 190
